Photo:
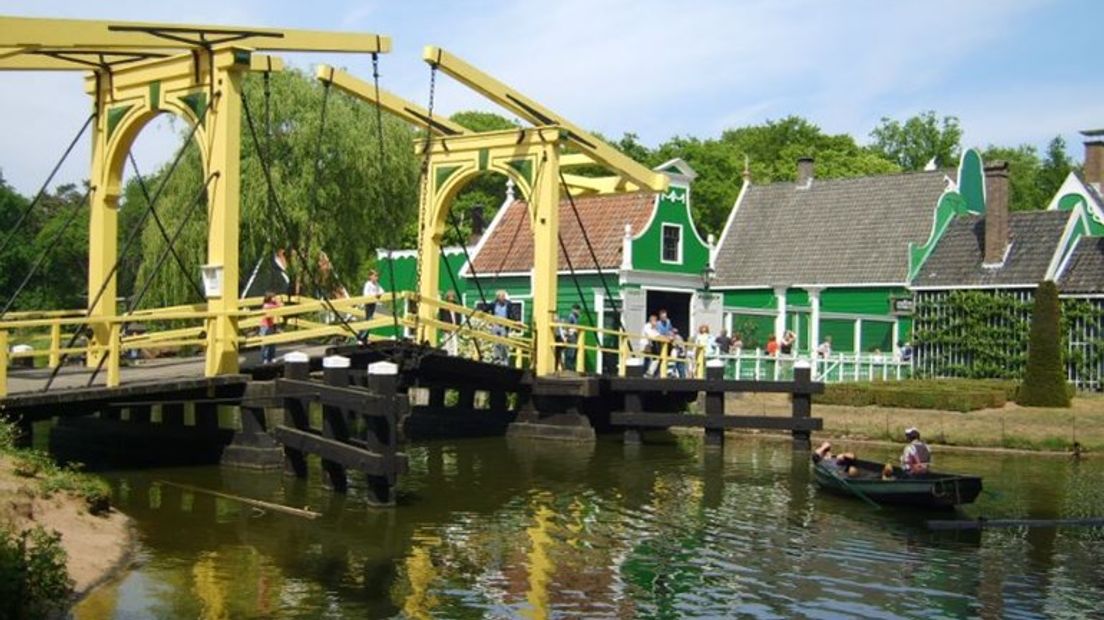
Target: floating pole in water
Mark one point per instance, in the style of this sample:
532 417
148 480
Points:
983 523
298 512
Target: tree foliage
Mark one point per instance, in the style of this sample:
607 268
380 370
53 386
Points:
332 192
919 140
1033 179
771 151
1044 383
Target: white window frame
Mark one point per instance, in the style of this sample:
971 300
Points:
662 236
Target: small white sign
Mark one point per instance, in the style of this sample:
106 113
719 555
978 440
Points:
212 281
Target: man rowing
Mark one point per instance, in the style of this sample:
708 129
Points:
916 457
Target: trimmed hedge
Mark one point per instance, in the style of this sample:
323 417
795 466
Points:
947 394
1044 383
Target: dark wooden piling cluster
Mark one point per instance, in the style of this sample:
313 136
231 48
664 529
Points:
360 418
652 403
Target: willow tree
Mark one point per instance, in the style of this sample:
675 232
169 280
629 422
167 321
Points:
331 193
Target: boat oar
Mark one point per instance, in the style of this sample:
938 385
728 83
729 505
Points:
981 523
855 491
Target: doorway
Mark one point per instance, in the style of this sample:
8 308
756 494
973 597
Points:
677 306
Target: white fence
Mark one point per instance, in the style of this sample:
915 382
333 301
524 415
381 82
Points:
837 368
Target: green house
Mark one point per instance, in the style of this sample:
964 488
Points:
975 288
833 258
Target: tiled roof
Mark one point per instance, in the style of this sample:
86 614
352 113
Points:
509 246
837 231
957 258
1084 273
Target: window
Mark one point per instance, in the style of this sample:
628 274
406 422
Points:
672 244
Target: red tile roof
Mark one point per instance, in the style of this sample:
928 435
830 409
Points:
508 246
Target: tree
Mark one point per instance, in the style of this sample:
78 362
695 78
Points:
771 151
332 192
918 140
1027 193
1044 382
1056 166
486 191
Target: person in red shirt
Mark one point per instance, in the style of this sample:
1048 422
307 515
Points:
772 346
268 327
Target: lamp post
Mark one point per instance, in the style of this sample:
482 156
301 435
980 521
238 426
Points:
707 274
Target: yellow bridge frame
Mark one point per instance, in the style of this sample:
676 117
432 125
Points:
139 70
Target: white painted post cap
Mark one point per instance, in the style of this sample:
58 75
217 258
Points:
383 368
22 348
715 363
336 361
296 357
634 361
802 363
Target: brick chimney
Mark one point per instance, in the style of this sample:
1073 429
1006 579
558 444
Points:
996 213
1094 157
804 171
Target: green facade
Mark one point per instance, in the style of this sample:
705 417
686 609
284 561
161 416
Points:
672 209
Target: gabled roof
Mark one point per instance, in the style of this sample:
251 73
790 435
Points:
957 258
507 247
835 231
1084 271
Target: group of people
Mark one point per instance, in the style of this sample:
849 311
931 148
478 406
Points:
915 459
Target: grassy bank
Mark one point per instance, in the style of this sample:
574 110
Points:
1010 426
58 534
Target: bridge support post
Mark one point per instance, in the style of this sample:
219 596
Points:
335 371
634 367
296 412
252 447
381 431
802 404
714 405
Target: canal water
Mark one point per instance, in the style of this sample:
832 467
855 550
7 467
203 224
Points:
502 529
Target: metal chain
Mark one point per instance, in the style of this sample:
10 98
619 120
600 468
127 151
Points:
379 190
424 199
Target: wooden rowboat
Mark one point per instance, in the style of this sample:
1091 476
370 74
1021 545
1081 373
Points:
930 490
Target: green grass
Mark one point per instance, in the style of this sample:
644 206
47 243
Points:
51 477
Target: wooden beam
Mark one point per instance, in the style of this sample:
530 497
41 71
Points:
667 420
407 111
347 455
651 384
535 113
115 35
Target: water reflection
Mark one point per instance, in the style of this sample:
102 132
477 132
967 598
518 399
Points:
490 528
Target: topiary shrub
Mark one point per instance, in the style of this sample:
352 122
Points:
1044 382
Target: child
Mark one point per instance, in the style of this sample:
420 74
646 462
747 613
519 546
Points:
268 327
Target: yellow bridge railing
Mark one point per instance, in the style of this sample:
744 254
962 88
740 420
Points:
661 357
36 335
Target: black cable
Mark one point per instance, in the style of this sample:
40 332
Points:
136 299
42 190
382 155
283 216
594 257
134 234
44 254
161 227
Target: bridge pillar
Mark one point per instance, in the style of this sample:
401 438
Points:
714 403
252 446
802 404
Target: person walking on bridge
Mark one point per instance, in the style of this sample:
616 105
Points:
268 327
501 309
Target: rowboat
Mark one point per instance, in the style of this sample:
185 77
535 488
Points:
930 490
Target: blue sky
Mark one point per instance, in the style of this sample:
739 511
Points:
1014 71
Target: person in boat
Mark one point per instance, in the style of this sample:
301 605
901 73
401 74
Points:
916 458
887 472
842 463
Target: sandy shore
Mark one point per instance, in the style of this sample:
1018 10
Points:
98 546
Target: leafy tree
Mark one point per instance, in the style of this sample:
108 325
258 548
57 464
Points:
771 151
1056 166
486 191
1044 383
332 194
918 140
1024 167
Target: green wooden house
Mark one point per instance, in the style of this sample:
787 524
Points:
833 258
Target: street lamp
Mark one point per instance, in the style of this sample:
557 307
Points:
707 274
